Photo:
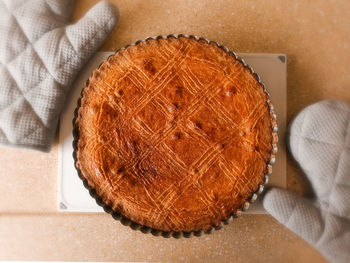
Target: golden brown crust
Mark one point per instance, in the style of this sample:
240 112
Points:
174 133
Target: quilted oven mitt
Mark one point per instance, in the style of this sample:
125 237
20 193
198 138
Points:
40 54
320 142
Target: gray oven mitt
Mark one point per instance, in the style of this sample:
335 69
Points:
40 54
320 142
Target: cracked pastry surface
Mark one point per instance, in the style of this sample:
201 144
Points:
175 134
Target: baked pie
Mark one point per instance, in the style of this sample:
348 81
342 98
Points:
174 134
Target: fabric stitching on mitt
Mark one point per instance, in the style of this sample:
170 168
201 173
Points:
306 138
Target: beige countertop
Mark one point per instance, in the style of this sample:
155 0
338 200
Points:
315 35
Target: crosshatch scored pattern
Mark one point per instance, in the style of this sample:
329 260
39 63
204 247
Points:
175 134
